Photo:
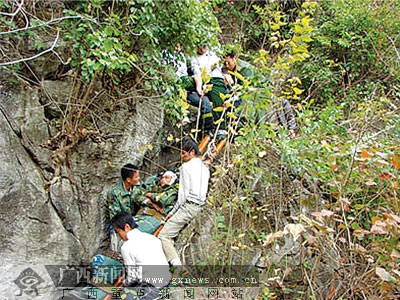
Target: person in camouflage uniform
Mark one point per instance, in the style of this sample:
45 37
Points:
241 67
279 112
125 196
160 199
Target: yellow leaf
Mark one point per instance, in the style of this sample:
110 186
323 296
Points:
297 38
218 109
228 104
274 26
308 28
305 20
298 28
182 94
205 76
170 138
263 52
237 159
224 96
306 38
240 77
207 88
297 91
231 115
295 79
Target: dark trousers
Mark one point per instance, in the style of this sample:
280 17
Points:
207 120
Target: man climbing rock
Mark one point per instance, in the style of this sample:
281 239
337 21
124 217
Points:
192 193
208 60
195 95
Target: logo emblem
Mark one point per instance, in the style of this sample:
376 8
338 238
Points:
28 282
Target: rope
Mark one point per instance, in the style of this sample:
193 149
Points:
198 118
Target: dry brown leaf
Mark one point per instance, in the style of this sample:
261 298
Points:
323 213
379 228
366 154
384 275
294 229
270 238
395 254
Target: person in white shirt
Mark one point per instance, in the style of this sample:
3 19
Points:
192 195
195 96
211 62
145 263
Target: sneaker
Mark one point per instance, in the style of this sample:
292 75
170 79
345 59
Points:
222 134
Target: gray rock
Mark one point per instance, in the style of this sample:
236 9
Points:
50 217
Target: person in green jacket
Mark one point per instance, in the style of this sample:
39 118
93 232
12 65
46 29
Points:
125 196
279 111
241 67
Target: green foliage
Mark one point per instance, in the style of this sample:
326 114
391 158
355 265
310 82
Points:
356 43
175 106
128 36
244 23
346 93
336 61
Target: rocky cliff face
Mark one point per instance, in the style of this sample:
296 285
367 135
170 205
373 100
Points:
51 216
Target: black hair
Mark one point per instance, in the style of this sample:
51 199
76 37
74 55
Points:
231 54
188 144
128 170
122 218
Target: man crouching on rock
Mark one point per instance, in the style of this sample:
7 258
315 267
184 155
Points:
147 269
